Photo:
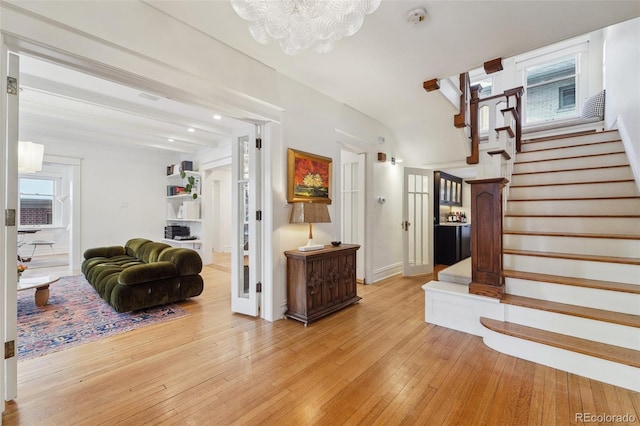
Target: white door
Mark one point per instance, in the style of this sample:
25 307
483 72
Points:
352 202
10 90
417 225
246 242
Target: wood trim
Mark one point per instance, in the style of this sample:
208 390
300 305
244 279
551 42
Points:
574 344
493 65
474 158
460 119
571 183
431 85
613 216
575 235
502 152
630 197
612 317
572 281
553 148
572 256
569 158
486 237
570 170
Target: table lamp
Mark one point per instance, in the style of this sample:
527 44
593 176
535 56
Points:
310 213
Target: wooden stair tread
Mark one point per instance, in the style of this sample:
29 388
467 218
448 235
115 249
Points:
577 169
572 281
566 136
562 341
570 146
567 158
572 183
574 235
572 256
609 216
623 197
573 310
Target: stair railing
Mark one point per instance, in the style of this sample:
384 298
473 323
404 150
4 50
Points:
495 156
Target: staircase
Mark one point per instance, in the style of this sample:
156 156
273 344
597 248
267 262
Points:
572 260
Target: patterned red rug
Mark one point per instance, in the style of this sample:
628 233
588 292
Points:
75 315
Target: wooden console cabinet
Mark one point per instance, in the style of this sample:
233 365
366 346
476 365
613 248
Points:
320 282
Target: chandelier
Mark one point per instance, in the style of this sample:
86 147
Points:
300 24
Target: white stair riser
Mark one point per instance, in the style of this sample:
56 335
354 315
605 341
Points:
590 175
575 207
577 140
584 328
450 305
603 271
586 190
628 303
587 225
619 159
574 245
584 365
570 151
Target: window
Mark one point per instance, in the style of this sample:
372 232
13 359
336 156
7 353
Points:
37 201
551 90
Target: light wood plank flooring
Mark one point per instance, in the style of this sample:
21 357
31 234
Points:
376 362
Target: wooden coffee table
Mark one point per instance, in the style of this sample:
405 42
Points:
41 284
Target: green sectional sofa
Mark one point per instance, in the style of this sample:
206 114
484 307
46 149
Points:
143 274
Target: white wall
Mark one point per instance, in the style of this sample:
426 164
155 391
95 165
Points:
622 82
123 192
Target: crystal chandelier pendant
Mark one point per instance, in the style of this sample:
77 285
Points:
300 24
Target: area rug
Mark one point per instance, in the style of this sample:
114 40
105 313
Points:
75 315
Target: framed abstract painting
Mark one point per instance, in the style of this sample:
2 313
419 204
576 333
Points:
308 177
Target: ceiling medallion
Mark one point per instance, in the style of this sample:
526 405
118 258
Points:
300 24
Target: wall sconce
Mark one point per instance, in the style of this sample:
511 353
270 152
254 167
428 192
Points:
310 213
30 157
382 157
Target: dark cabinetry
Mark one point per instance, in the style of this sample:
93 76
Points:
320 282
453 243
448 189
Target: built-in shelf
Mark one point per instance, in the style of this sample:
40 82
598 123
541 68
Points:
168 240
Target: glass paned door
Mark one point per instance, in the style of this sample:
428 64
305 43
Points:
416 227
245 269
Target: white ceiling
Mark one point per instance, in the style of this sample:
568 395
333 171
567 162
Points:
379 71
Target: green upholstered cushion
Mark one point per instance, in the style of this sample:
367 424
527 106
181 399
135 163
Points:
133 246
147 272
187 261
103 252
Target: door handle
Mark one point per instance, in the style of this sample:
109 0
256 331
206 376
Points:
406 224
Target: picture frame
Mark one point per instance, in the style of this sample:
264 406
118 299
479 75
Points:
309 177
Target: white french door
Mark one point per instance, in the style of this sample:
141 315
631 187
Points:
417 225
246 222
10 91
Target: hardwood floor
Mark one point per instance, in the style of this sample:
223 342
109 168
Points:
376 362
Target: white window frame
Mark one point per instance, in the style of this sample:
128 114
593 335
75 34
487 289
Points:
57 207
578 48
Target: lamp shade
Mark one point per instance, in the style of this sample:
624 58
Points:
30 157
310 213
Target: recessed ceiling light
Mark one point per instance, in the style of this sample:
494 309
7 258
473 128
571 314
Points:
217 117
171 140
191 130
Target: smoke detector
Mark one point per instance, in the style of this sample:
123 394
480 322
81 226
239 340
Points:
417 15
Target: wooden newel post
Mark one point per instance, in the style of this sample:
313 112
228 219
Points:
486 237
